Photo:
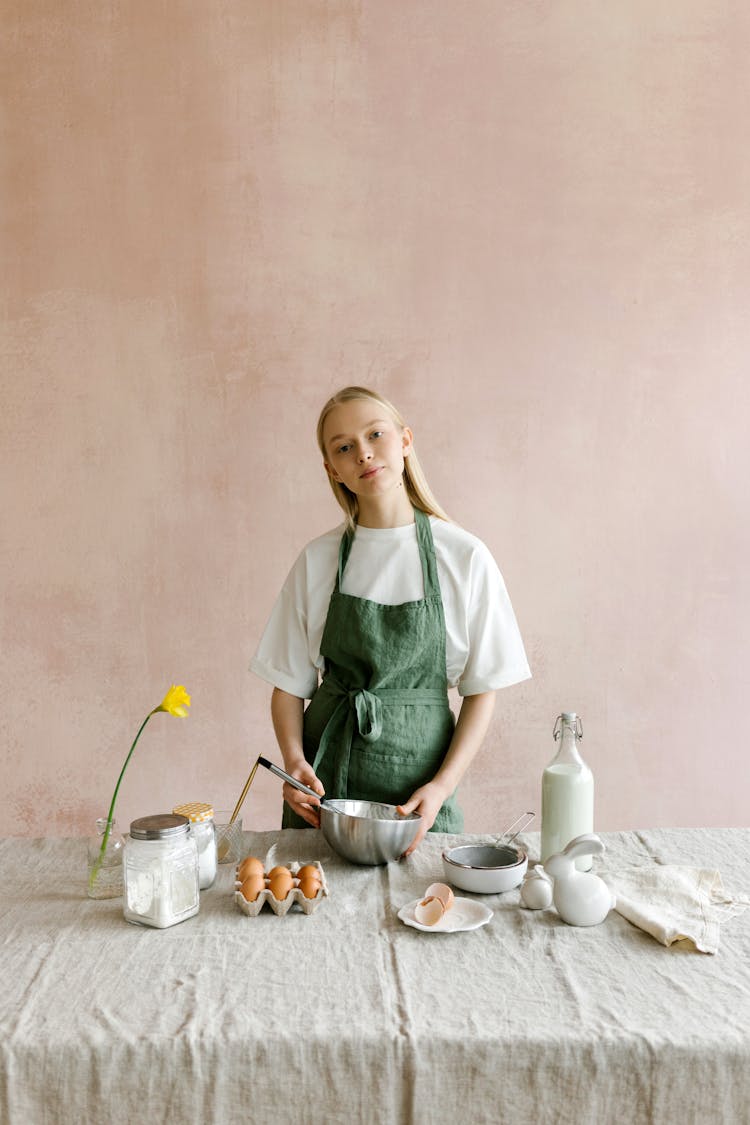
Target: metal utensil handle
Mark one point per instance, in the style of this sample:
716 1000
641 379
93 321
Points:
523 820
288 777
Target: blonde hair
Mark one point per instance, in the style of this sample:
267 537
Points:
417 488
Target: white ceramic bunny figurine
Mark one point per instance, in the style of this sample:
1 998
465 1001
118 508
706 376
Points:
581 899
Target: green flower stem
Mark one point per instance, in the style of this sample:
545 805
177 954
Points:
108 830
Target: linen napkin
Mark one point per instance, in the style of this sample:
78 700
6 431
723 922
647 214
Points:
672 902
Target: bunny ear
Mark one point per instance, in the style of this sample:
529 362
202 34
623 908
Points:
588 844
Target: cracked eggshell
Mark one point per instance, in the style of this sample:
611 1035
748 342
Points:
429 911
441 891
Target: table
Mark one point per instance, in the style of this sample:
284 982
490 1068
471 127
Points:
349 1016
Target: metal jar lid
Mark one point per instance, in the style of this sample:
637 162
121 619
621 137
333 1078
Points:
162 826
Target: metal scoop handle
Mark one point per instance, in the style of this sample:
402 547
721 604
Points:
292 780
523 820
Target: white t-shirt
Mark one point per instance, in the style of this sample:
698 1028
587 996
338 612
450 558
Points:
484 649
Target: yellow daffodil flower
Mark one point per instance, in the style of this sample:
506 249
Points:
176 702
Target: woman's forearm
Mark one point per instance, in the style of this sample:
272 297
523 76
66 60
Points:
286 713
471 727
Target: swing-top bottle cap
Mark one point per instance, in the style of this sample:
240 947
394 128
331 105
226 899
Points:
571 721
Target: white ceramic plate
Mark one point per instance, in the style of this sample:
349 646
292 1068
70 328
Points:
465 914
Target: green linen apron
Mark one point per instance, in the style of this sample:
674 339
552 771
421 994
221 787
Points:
379 724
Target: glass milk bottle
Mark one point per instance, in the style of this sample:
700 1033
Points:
567 792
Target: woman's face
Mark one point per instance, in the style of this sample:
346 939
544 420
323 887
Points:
365 447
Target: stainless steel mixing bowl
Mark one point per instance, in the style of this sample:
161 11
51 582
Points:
367 832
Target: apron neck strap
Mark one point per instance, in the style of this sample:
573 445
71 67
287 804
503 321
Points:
426 554
345 547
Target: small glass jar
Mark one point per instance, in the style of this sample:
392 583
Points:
104 868
202 827
161 871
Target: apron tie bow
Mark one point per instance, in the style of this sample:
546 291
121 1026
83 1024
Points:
359 712
369 712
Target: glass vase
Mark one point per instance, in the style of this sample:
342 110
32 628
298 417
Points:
104 869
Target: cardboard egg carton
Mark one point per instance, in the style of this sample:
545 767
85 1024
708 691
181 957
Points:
283 906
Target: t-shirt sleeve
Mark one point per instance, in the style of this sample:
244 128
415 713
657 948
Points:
496 657
283 655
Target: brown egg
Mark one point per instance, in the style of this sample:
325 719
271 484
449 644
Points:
249 866
309 869
310 884
280 884
252 887
279 871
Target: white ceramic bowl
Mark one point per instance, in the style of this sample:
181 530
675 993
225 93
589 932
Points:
485 869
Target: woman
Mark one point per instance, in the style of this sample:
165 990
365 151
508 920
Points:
392 609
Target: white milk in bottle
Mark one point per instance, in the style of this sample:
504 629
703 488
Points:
567 792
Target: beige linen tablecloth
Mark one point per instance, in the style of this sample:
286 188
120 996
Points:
349 1016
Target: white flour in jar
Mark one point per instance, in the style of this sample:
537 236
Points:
161 871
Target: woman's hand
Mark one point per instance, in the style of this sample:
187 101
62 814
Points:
427 801
306 807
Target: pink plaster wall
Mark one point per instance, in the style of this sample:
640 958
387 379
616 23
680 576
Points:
526 222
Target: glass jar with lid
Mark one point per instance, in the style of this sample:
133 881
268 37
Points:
202 827
160 871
